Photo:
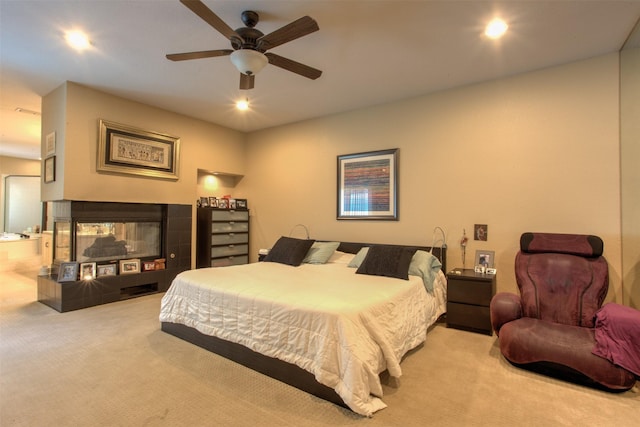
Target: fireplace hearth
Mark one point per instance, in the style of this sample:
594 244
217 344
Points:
106 233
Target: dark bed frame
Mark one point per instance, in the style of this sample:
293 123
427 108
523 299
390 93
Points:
286 372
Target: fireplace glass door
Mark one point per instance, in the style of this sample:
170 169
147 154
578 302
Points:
103 241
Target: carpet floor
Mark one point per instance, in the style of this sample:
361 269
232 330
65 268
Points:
111 365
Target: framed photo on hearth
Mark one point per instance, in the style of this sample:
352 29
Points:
148 265
68 272
129 266
107 270
87 271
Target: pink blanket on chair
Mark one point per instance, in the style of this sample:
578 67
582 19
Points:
618 336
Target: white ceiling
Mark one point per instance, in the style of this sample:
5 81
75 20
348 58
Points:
370 51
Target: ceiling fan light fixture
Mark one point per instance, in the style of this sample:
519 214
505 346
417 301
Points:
249 61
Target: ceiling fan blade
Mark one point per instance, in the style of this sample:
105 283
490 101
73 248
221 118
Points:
293 66
246 82
296 29
198 55
199 8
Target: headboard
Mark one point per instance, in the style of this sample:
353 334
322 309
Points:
438 252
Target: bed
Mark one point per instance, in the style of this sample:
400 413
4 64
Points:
329 328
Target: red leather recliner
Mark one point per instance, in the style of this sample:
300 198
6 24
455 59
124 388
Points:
549 328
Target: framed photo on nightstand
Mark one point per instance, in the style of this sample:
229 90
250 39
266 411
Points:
485 258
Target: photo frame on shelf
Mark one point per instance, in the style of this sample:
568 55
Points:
485 258
148 265
50 169
367 185
213 202
107 270
87 270
128 150
68 272
223 203
129 266
241 204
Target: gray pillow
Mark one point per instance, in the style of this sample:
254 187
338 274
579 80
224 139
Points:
389 261
360 256
288 250
320 252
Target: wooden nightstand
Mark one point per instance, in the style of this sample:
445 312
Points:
468 297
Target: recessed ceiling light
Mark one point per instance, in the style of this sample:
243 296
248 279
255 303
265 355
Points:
77 40
496 28
242 105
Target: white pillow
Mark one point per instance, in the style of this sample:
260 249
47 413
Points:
339 257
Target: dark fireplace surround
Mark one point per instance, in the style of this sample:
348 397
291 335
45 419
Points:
173 233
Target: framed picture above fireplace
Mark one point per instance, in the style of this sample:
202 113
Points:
125 149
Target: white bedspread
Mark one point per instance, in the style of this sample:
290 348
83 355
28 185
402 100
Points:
344 328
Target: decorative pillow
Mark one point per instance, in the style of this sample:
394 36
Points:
390 261
320 252
360 256
288 250
340 257
425 265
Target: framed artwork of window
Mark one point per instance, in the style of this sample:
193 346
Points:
367 185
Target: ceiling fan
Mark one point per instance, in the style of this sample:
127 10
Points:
250 45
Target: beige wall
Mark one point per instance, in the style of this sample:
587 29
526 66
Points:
535 152
630 176
18 166
73 112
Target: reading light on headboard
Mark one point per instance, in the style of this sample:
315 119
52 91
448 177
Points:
442 241
306 230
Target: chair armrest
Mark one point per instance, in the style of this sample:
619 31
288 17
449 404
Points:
504 308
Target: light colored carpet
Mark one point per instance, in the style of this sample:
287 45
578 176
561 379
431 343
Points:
112 366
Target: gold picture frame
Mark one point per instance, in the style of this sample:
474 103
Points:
128 150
